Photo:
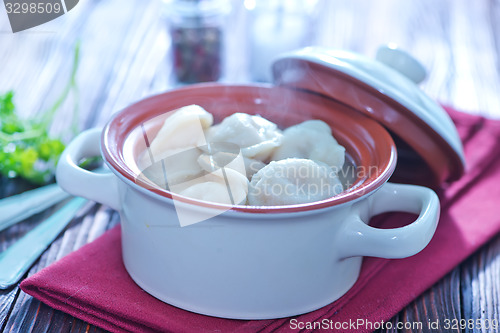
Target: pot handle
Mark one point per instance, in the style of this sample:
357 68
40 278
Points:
99 187
359 239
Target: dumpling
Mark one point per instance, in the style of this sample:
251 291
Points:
293 181
257 137
218 155
179 167
248 168
225 163
313 140
225 186
182 130
172 154
252 166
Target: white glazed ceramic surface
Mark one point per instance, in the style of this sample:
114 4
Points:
245 265
384 74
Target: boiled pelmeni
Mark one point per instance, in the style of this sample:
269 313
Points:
182 130
248 167
257 137
178 167
293 181
313 140
172 153
225 186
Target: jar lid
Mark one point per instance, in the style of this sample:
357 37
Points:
384 89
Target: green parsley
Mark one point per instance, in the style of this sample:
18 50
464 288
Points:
27 150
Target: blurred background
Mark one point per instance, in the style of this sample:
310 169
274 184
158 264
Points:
130 49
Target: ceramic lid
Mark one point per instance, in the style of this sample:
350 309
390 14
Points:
430 151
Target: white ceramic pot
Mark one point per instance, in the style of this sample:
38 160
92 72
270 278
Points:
250 262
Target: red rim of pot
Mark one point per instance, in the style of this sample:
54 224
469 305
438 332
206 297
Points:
367 143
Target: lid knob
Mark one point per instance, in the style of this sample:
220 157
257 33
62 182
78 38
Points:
401 61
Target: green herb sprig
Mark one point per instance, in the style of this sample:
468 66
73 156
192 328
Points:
27 150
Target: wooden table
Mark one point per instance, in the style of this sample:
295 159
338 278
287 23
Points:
124 48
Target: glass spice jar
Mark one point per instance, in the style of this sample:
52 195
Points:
197 34
276 27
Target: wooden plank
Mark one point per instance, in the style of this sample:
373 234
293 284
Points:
27 312
23 306
7 238
135 72
481 289
441 302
